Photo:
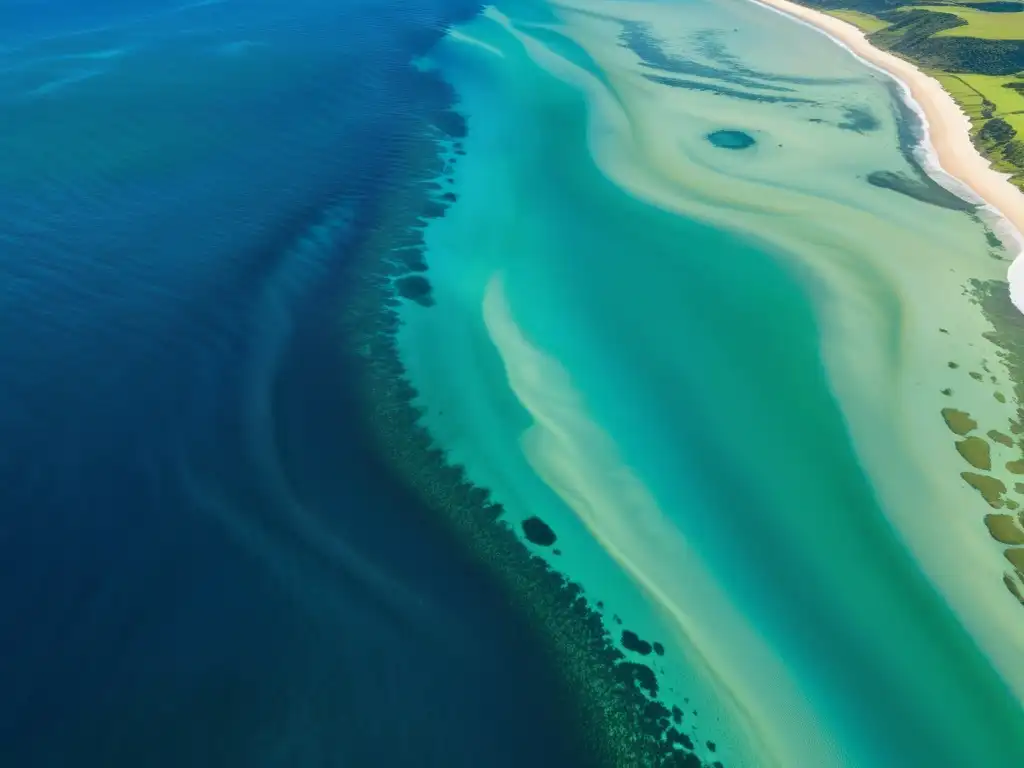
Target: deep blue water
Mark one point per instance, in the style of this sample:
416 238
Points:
202 562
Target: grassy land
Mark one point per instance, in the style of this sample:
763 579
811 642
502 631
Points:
970 99
1008 103
988 101
980 24
864 21
985 98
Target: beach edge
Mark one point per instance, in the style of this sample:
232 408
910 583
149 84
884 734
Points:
950 156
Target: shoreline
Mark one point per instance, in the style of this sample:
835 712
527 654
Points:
949 153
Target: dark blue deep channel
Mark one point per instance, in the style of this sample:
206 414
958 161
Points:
202 560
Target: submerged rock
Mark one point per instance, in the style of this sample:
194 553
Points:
631 641
640 675
416 288
538 532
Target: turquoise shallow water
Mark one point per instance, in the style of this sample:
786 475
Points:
648 357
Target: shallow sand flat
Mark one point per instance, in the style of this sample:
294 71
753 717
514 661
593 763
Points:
885 286
663 382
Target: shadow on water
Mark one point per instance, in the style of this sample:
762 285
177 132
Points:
202 562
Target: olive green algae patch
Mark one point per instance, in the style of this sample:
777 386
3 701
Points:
1007 335
959 422
991 488
996 436
416 288
975 451
1004 529
1016 558
1011 584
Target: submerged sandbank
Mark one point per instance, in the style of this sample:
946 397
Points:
947 130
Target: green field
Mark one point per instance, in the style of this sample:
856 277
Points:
966 96
864 21
1006 100
983 97
972 91
984 25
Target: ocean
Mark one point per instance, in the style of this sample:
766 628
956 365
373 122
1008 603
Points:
204 561
419 383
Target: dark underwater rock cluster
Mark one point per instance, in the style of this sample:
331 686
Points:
538 532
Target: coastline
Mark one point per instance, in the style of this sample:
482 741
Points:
947 140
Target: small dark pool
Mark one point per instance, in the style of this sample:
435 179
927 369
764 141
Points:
731 139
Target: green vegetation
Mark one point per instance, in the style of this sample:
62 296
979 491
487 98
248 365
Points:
1001 92
995 105
985 25
863 21
975 49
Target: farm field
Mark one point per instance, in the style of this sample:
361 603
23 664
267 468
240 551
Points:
984 25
